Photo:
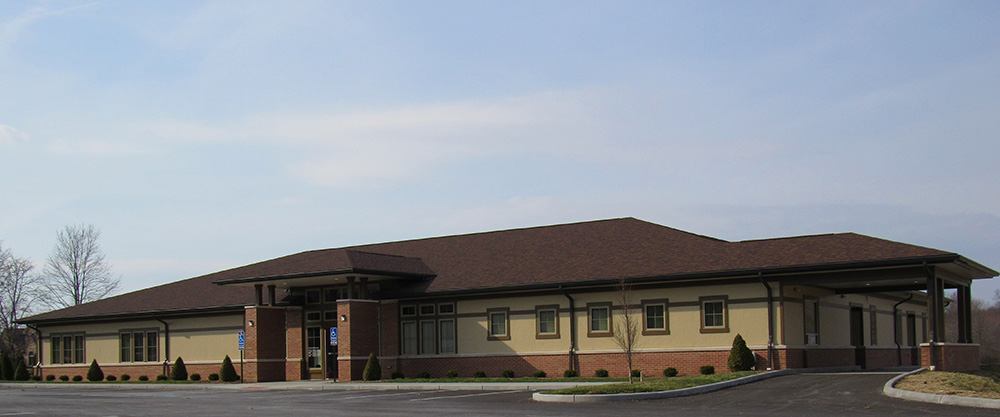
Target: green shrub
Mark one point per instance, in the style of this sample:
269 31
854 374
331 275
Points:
398 375
63 378
670 372
6 368
179 371
424 375
228 371
539 374
36 377
213 377
196 377
125 377
479 374
77 378
110 378
373 370
601 373
740 357
50 377
161 378
507 373
570 373
707 370
143 378
452 374
636 373
95 373
21 373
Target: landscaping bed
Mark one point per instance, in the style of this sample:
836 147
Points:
654 384
984 383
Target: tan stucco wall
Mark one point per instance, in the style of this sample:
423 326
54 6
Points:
196 339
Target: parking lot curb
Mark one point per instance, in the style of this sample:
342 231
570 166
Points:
890 390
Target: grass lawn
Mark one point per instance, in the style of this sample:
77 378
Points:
984 383
654 384
524 379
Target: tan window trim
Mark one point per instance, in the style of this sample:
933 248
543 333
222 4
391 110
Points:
538 322
666 317
590 308
489 324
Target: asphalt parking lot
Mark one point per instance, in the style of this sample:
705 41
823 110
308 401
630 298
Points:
806 394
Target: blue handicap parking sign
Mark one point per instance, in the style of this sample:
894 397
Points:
241 337
333 336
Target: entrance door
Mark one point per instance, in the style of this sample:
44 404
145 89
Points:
858 335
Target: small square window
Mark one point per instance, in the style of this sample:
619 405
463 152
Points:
654 317
330 315
547 322
713 315
408 311
600 320
312 297
313 316
498 324
427 310
330 295
448 308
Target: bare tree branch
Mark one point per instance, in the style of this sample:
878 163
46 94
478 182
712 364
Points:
627 328
18 291
76 271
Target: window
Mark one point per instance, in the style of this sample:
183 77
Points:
654 317
498 324
312 297
713 315
138 349
408 311
599 319
152 341
810 311
873 318
911 329
330 315
428 338
67 348
330 295
314 347
313 315
446 308
126 344
427 310
447 335
409 330
547 319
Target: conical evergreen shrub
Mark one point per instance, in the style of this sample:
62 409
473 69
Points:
95 374
180 372
6 368
228 371
21 373
740 357
373 370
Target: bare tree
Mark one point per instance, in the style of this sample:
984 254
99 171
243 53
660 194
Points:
627 328
76 271
18 291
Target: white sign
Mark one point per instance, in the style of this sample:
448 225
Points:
333 336
242 339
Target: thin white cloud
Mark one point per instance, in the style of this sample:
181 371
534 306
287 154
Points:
10 135
11 30
95 147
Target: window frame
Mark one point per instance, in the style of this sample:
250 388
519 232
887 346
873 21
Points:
446 313
318 316
646 330
873 324
331 290
319 296
489 323
421 313
403 308
402 337
319 357
702 301
554 334
423 338
454 336
590 320
327 317
74 353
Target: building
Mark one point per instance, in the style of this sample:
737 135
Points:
542 298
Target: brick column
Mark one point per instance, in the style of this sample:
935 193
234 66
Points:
390 338
357 337
295 365
265 344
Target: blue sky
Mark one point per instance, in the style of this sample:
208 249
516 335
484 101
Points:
200 136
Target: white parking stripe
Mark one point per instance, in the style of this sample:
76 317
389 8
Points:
381 395
466 395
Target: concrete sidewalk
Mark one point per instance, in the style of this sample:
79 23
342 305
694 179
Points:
317 386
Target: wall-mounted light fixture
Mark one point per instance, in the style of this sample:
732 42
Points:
251 323
343 318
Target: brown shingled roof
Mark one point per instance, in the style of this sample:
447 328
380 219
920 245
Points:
548 255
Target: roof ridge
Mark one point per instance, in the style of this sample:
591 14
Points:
795 237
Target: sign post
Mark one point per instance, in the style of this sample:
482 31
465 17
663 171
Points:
242 340
333 336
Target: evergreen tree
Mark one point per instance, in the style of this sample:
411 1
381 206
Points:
21 373
228 371
6 368
741 358
95 374
180 372
373 370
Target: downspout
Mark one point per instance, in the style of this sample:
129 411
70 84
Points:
896 329
770 320
572 327
166 345
38 350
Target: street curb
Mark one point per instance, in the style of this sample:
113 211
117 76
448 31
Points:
317 386
890 390
683 392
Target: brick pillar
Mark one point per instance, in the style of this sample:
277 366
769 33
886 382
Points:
357 337
390 338
265 344
295 365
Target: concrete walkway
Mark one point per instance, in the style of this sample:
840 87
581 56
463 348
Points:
319 386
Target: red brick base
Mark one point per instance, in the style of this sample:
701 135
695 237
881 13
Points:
950 357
